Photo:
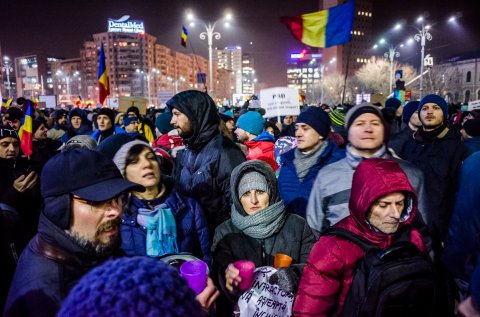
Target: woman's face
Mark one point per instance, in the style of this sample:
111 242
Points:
254 201
144 170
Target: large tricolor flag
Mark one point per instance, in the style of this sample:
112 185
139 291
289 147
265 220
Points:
25 132
323 28
184 36
103 85
6 104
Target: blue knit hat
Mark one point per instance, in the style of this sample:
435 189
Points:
317 118
251 122
436 99
409 109
162 123
228 113
128 120
393 103
136 286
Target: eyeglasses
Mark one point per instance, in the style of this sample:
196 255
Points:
117 201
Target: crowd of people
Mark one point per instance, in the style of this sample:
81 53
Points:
87 218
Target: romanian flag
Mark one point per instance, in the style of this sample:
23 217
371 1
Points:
6 104
25 132
103 86
184 36
323 28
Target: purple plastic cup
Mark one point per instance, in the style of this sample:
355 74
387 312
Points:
246 269
195 273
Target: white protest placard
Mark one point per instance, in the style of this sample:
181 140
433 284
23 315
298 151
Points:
280 101
473 105
49 100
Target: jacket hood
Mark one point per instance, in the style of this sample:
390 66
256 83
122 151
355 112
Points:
257 166
202 113
373 179
265 136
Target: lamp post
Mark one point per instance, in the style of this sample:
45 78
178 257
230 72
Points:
391 54
209 34
147 75
422 36
7 68
322 72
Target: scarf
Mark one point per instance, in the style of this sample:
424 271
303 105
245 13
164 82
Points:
353 159
429 136
161 230
263 224
304 161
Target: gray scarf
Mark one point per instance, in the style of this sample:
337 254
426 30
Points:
354 159
303 162
263 224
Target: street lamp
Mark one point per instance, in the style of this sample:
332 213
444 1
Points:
7 68
68 79
175 82
147 75
209 34
322 71
422 36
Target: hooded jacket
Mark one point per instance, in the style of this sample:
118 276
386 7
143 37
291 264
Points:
85 126
49 267
261 148
203 169
330 268
294 237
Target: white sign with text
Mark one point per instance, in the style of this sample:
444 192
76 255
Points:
280 101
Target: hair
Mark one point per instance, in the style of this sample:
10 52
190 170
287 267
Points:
222 127
134 153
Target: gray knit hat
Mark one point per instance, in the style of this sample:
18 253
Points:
360 109
120 157
252 180
79 141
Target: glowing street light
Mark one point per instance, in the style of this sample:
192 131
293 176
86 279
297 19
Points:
209 34
148 76
422 36
7 68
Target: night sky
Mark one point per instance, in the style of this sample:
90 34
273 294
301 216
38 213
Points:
59 28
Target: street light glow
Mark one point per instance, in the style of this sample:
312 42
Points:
382 40
228 17
420 19
397 26
452 19
227 24
375 46
190 16
428 27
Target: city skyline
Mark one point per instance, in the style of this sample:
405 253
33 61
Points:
59 29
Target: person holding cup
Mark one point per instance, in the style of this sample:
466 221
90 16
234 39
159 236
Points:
259 228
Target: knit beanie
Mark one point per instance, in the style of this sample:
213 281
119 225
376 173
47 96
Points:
109 113
436 99
393 103
162 123
229 113
14 113
251 122
128 120
36 123
8 132
225 118
113 143
360 109
79 141
75 112
59 114
409 110
133 109
337 116
252 180
120 158
132 286
472 127
317 118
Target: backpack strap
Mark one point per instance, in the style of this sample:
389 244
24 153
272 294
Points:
363 243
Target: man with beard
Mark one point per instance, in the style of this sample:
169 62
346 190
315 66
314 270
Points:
203 169
79 229
59 126
106 126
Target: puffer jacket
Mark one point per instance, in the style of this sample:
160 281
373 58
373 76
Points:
261 148
330 268
295 193
202 170
192 229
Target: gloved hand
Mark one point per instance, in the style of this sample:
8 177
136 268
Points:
286 278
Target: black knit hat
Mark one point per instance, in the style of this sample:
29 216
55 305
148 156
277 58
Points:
36 123
8 132
472 127
14 113
317 118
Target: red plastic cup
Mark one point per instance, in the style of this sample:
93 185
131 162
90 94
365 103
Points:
246 269
195 273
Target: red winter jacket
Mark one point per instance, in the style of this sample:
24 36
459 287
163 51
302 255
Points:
261 150
329 272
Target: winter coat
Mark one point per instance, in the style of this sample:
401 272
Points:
295 193
99 137
192 229
261 148
439 159
462 245
48 268
42 151
230 244
330 268
397 142
328 202
202 170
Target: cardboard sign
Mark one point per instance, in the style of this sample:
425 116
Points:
264 299
280 101
473 105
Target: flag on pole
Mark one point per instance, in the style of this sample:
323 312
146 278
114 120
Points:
25 132
103 85
184 36
323 28
6 104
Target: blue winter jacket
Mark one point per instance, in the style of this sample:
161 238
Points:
192 229
295 193
96 134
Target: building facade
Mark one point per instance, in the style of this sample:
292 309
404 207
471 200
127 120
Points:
34 75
